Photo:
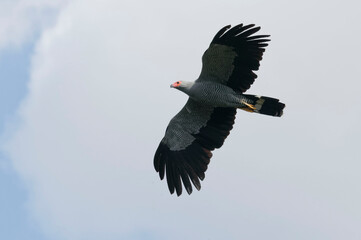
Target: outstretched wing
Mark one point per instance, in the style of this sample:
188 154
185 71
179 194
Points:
185 151
233 55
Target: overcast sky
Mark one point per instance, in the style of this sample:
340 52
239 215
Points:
85 100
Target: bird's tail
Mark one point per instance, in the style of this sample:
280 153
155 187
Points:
262 105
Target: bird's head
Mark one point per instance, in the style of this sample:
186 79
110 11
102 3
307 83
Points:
176 84
183 86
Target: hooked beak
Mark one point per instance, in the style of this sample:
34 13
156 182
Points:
171 86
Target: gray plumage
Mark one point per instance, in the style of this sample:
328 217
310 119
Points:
214 94
208 116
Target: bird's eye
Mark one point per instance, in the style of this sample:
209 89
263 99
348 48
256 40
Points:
177 82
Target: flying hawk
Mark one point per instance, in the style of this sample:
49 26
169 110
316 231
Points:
208 116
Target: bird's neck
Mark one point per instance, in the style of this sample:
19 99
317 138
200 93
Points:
186 87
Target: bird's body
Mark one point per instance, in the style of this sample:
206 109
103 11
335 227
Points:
208 116
214 94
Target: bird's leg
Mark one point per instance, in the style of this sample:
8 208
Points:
249 107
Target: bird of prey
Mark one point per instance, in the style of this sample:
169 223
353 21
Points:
205 121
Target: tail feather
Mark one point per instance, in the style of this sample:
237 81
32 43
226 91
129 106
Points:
263 105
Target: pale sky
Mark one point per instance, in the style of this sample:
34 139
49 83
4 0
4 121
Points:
85 100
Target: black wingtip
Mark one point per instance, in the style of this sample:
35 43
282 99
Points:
227 34
185 166
220 33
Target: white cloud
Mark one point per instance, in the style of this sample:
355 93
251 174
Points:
99 103
20 20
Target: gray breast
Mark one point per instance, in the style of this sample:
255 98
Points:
214 94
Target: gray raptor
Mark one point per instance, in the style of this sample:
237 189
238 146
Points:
208 116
